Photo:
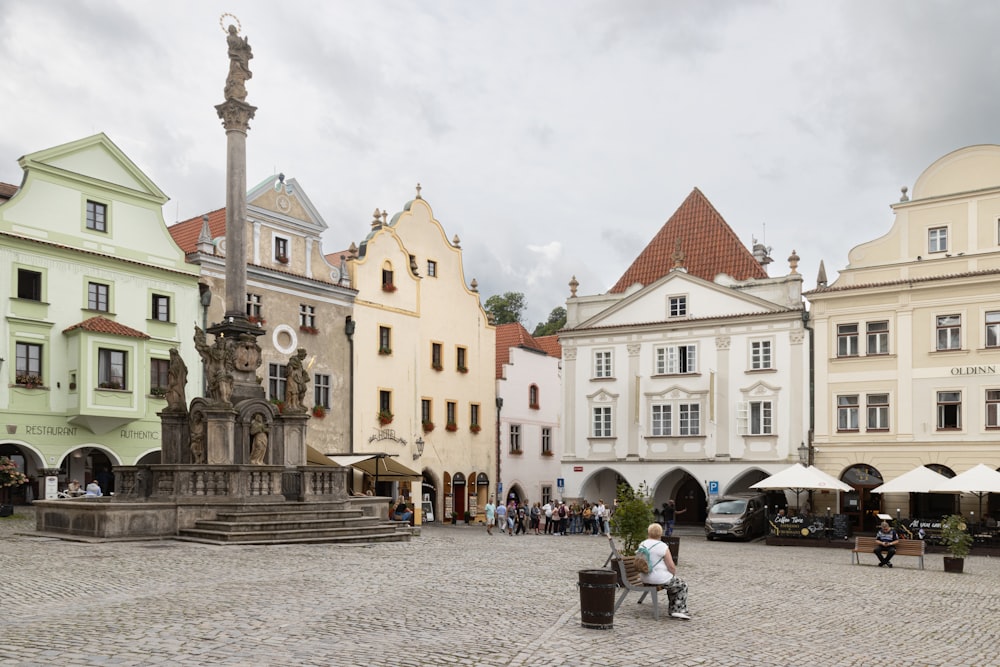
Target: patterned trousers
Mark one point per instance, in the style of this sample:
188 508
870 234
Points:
677 591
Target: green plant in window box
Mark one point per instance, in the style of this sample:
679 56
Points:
318 411
158 392
428 425
384 350
29 381
475 428
451 426
110 385
280 405
384 417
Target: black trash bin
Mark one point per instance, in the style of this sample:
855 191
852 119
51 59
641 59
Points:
674 544
597 598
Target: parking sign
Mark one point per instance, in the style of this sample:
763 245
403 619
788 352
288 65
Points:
713 488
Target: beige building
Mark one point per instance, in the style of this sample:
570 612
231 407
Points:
424 359
294 295
907 343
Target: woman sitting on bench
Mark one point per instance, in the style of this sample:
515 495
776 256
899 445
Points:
663 572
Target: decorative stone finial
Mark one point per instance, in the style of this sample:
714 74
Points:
418 191
678 255
793 262
474 285
573 284
821 275
457 242
904 196
385 216
375 219
353 250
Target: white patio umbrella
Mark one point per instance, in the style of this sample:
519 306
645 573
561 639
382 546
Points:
919 480
798 478
979 481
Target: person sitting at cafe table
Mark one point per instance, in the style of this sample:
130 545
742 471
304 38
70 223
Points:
94 489
887 541
402 512
74 489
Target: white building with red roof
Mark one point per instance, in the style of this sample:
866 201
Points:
690 374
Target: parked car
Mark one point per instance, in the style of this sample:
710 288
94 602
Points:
737 516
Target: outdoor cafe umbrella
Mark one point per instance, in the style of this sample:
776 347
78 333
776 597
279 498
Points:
919 480
798 478
980 481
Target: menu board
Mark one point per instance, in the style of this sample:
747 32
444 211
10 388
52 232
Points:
841 527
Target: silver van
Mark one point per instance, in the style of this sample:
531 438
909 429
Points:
738 516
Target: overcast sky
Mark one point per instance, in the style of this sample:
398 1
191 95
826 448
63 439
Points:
555 138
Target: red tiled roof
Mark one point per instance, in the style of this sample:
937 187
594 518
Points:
550 345
7 191
105 326
709 245
508 336
186 233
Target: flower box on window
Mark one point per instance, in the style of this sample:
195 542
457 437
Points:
282 258
110 385
516 452
384 350
308 329
388 287
158 392
548 452
29 381
533 406
255 319
279 405
428 426
451 426
437 367
384 417
475 428
318 411
463 369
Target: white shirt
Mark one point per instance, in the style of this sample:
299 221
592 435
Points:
657 556
547 508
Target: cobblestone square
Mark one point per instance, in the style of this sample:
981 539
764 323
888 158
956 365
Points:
457 596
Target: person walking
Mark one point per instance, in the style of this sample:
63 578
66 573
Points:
670 513
490 510
521 518
501 517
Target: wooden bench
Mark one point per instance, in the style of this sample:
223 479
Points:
866 545
629 579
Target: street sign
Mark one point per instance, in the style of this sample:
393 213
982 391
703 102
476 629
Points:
499 489
560 482
713 488
577 468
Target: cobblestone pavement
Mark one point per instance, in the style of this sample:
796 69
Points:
456 596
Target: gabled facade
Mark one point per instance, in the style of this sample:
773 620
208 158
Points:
529 380
293 294
424 356
907 341
682 380
96 294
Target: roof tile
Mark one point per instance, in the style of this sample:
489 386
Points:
105 326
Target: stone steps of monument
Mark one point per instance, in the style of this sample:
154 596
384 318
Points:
380 532
272 524
242 516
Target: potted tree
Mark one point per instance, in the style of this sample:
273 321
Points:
632 516
957 541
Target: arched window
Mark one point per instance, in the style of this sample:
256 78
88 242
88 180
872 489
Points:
533 397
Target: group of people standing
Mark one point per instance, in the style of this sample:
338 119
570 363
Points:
553 518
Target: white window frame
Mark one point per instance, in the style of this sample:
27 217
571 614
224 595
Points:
675 359
876 340
761 355
677 305
689 419
993 408
514 438
848 407
937 239
661 420
601 421
992 335
603 364
847 341
948 332
877 408
947 401
761 417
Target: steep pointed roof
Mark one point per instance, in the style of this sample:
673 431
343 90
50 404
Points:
508 336
708 244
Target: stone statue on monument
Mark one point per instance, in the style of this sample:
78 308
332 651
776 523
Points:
239 65
177 377
296 378
197 438
258 439
247 353
219 362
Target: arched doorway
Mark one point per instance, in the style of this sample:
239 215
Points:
482 491
691 501
458 495
24 493
860 505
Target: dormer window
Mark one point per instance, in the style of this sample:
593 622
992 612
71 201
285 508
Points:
937 239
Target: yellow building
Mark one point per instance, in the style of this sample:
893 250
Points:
907 344
424 362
